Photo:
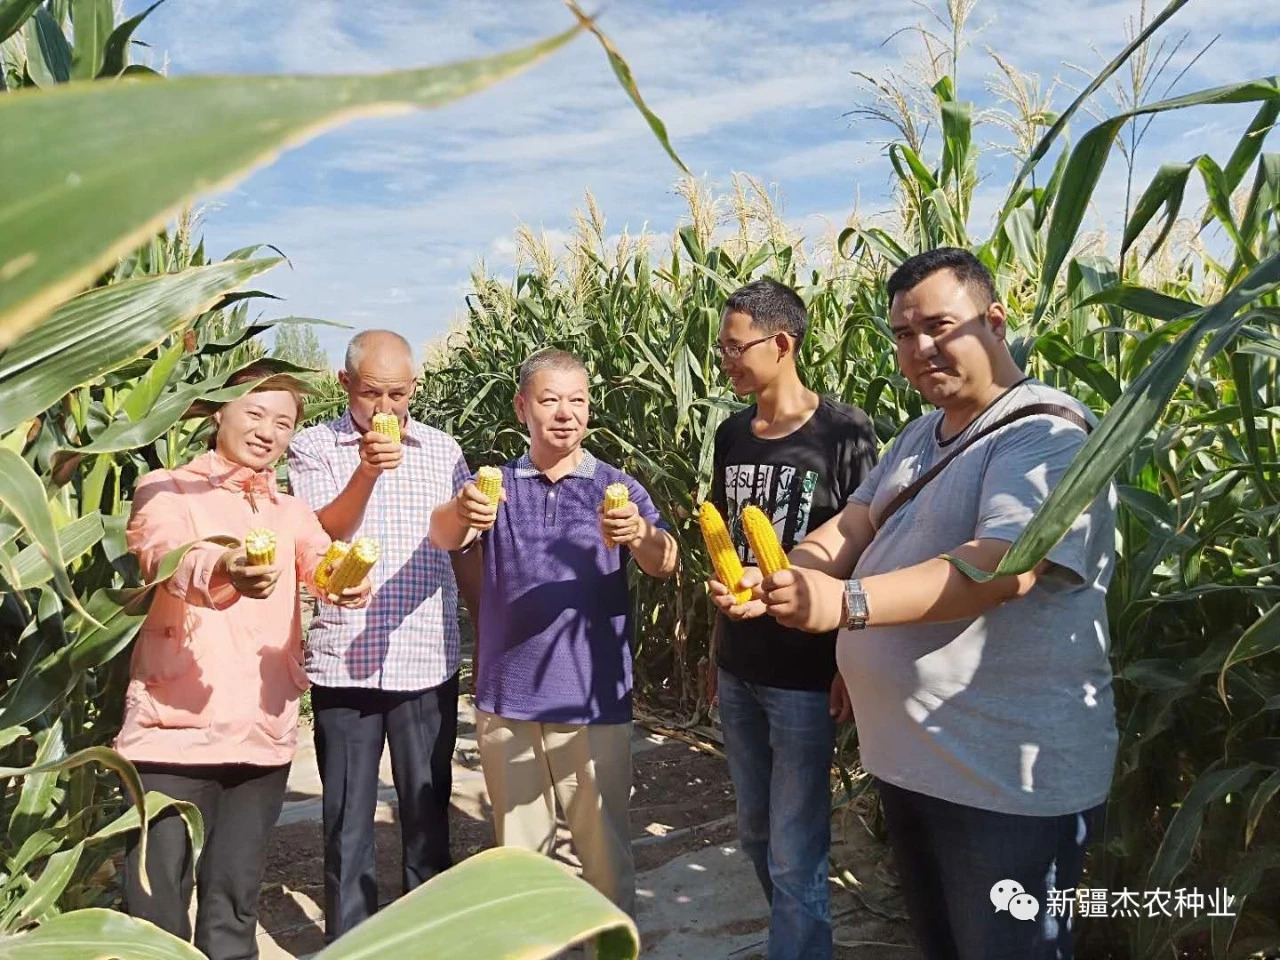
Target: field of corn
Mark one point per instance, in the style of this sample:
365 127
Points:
1174 346
116 339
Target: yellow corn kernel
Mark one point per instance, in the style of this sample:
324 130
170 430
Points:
724 558
355 566
388 425
260 547
770 557
616 495
332 557
489 480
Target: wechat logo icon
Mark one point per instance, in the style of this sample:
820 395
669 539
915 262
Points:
1009 895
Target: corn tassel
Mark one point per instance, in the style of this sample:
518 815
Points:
616 496
332 557
489 482
260 547
355 566
770 557
724 558
388 425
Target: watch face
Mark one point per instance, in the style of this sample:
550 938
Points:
856 605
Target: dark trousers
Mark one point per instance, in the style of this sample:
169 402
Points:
239 805
951 857
351 726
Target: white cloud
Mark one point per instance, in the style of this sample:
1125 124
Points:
385 218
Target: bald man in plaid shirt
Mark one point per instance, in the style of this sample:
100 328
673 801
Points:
387 673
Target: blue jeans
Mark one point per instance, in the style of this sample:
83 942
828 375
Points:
779 745
949 858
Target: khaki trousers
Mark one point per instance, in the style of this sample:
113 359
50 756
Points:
529 766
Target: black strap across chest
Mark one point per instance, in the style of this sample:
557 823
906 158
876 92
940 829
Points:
1032 410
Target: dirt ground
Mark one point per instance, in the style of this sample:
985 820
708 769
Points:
683 801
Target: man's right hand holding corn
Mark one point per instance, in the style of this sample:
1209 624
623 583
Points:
378 454
475 509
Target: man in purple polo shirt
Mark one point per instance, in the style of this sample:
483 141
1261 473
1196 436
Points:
553 671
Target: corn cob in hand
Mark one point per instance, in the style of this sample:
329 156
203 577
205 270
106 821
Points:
724 558
354 566
770 557
388 425
616 496
489 482
260 547
332 557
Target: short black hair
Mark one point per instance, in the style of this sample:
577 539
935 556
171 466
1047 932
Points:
772 306
549 359
967 268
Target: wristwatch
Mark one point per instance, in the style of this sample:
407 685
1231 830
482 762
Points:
856 610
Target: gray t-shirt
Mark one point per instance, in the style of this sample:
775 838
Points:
1011 711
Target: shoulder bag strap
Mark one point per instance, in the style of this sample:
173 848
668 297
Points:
1033 410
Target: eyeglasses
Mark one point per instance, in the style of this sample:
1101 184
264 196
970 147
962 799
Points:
734 351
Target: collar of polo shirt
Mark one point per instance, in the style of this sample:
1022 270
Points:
586 468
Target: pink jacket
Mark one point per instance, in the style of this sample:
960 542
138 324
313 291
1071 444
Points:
216 677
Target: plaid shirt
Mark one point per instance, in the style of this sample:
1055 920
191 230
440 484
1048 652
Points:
407 638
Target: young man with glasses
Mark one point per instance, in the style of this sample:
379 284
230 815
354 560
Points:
798 456
984 710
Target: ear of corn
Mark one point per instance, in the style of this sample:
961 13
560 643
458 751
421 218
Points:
260 547
489 480
388 425
354 566
770 557
332 557
616 495
724 558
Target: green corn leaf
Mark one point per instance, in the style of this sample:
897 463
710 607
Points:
1149 303
1248 148
100 331
925 180
93 934
1165 192
102 164
157 803
48 54
93 20
171 408
13 14
42 896
1060 124
623 72
504 902
115 57
1180 837
76 539
137 400
36 795
957 125
22 493
1124 425
1262 637
104 757
1261 797
1088 370
1089 157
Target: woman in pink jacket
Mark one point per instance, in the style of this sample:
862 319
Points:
211 711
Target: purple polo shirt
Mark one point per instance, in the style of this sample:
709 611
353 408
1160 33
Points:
555 611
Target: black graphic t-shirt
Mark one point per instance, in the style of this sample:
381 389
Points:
801 481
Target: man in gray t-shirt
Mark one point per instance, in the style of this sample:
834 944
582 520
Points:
984 710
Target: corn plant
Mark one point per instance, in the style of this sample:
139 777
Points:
117 337
1172 345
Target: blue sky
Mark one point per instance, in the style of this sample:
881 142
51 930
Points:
383 219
